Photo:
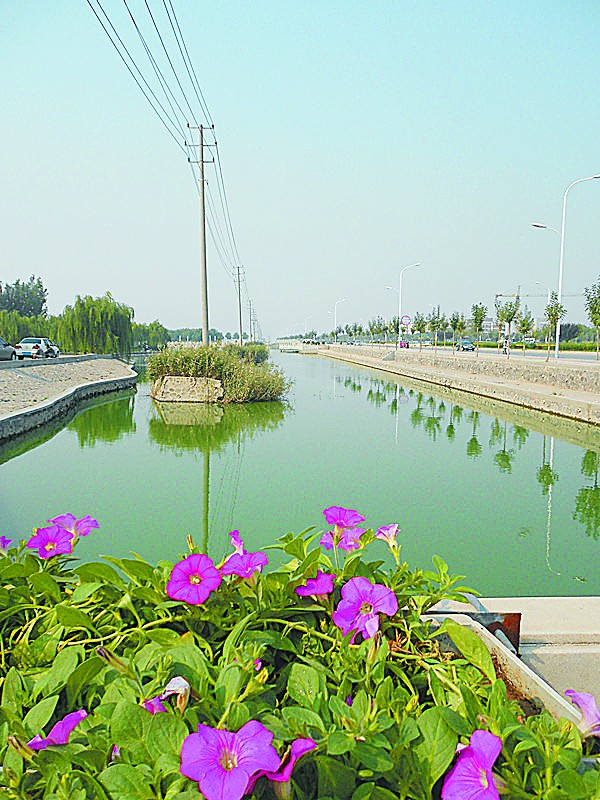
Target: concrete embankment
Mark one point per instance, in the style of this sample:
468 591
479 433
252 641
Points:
570 390
35 393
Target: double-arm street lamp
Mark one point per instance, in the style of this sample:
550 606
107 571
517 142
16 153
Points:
562 251
402 271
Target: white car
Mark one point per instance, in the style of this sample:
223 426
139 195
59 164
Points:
36 347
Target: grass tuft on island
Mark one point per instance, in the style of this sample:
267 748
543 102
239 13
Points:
245 372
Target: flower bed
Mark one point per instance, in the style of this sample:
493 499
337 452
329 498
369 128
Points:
317 680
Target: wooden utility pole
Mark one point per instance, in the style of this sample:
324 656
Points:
203 241
239 291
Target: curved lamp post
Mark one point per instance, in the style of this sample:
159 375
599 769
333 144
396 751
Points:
562 251
402 271
335 317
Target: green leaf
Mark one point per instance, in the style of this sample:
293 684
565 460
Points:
72 617
128 783
165 737
364 791
373 757
470 645
52 681
12 690
82 677
38 716
129 727
85 590
301 720
139 571
334 779
339 743
303 685
438 745
572 783
100 571
44 583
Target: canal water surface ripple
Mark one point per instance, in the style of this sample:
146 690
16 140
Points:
509 499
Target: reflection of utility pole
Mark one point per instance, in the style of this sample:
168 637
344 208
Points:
549 517
205 500
397 409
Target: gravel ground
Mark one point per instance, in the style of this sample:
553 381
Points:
22 388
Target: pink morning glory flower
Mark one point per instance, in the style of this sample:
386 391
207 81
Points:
244 564
387 533
360 606
154 706
590 722
52 541
299 748
471 777
348 541
193 579
60 732
78 527
223 762
237 542
342 517
4 545
322 584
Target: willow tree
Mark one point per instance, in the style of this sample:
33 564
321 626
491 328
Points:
96 325
525 324
554 312
420 326
506 313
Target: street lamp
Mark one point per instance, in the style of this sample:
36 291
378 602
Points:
335 317
402 271
562 252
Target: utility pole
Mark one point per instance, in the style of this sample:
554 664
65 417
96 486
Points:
239 294
203 242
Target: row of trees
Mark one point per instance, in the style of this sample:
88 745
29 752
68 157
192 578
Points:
509 317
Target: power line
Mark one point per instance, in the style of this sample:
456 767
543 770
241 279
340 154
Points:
141 88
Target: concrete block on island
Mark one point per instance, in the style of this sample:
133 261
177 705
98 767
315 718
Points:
180 389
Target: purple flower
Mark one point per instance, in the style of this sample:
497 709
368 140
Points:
257 664
52 541
78 527
193 579
60 732
4 545
388 534
590 721
237 542
342 517
348 541
322 584
360 606
154 706
471 777
223 762
299 747
244 564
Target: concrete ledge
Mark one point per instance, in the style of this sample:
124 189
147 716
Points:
18 422
534 390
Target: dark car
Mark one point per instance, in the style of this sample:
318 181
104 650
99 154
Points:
465 344
7 351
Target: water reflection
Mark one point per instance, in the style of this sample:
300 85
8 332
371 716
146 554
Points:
587 501
506 439
115 421
203 426
206 428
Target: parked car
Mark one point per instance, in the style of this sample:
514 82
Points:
7 351
36 347
465 344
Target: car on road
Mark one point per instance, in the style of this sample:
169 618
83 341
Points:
7 351
36 347
465 344
402 343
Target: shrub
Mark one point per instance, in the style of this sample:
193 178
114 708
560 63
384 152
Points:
245 374
146 677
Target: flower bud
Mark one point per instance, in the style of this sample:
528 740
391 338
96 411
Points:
112 660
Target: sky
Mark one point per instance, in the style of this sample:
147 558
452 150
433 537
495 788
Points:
355 139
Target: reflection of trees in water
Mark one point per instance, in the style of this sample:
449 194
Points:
106 422
203 426
546 476
474 448
587 501
520 435
504 457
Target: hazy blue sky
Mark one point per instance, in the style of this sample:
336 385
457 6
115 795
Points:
355 138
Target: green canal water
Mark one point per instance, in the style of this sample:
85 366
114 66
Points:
509 499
